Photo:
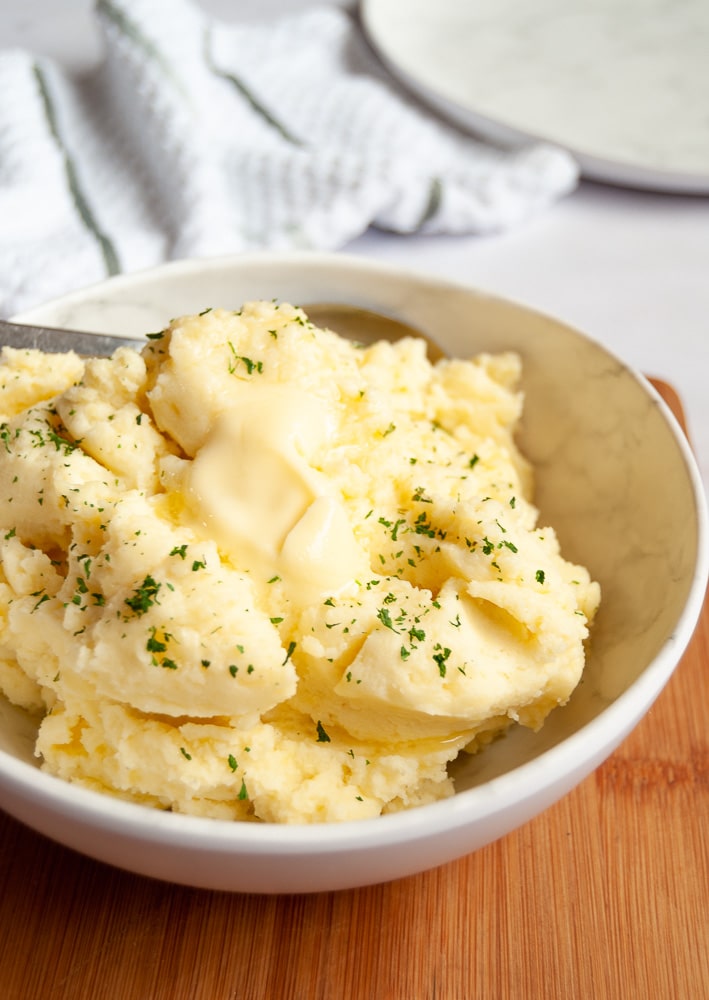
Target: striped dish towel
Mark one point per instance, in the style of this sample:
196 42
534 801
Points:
193 137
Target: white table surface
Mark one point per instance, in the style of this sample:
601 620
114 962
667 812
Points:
629 268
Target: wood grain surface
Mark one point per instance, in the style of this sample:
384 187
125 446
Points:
603 896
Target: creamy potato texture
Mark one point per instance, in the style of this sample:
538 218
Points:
254 571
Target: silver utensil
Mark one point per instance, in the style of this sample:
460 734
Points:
366 326
362 325
56 341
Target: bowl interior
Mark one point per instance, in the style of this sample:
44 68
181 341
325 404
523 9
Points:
613 475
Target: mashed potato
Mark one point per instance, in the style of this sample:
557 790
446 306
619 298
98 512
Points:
258 572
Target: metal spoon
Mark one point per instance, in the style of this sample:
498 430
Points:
55 341
362 325
366 326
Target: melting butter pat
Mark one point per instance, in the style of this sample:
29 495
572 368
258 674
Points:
320 555
257 572
252 479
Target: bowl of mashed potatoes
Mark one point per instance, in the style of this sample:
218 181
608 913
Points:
282 612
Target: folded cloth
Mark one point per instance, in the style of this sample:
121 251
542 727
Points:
195 137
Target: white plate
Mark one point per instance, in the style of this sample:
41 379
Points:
622 84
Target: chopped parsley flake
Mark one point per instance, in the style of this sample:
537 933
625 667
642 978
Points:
5 435
440 658
250 365
144 596
385 618
155 645
423 526
43 598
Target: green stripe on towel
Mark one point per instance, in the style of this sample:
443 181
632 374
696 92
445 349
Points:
435 196
81 203
251 100
132 31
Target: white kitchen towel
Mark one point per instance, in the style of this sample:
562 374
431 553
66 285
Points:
196 137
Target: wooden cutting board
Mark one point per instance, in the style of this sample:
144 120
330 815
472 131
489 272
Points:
606 895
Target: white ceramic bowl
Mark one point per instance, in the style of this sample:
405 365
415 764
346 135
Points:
614 476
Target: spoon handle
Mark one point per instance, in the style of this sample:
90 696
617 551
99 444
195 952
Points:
362 325
54 341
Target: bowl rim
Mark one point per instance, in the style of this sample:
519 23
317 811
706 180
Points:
588 745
